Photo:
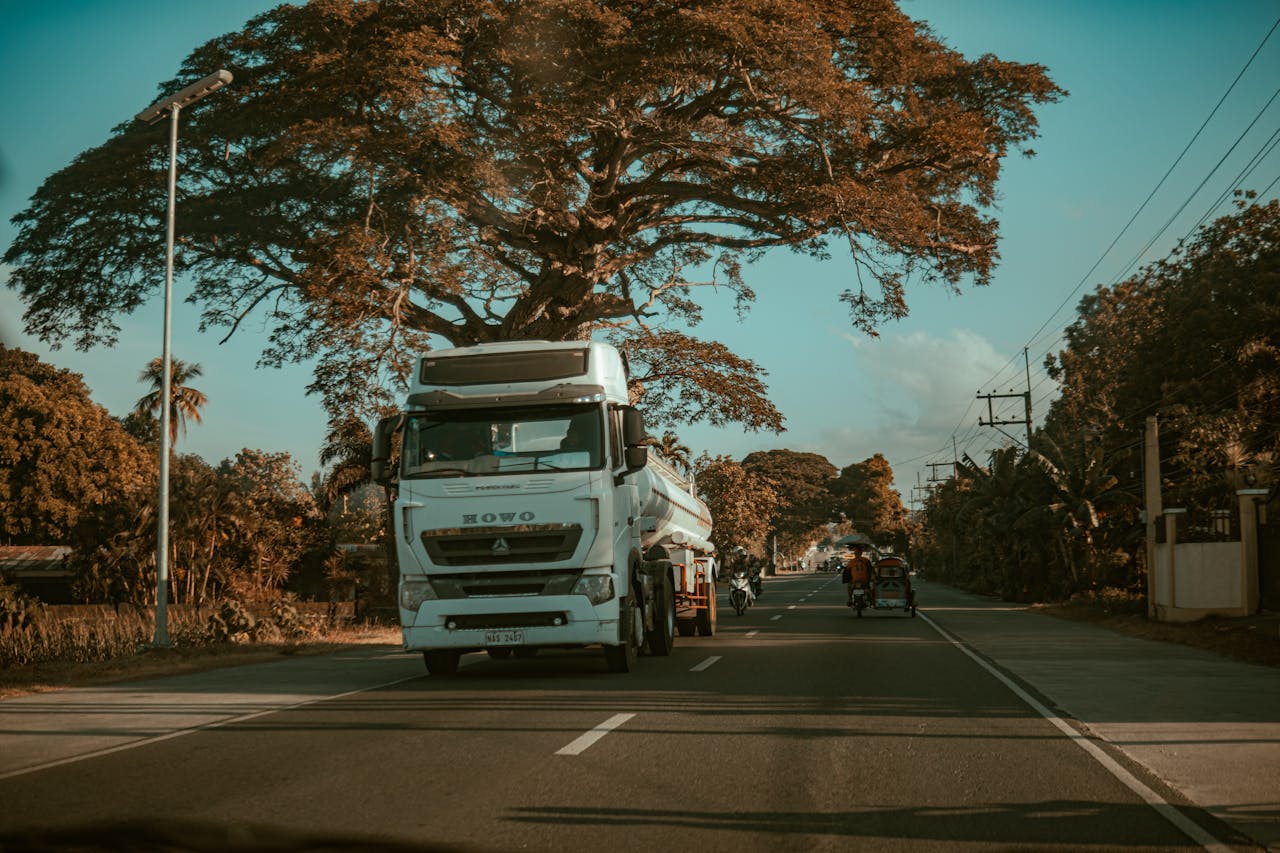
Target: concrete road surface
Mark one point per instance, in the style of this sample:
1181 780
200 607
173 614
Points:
796 727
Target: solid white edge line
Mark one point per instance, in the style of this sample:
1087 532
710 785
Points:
705 664
1165 809
580 743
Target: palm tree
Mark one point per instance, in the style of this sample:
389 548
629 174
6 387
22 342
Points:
185 402
671 448
1081 493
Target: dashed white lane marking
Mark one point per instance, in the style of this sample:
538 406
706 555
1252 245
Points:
775 618
706 663
792 607
753 632
1170 813
579 744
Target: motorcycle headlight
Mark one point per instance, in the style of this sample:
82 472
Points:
597 588
414 591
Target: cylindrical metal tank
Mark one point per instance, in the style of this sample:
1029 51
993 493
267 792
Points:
683 519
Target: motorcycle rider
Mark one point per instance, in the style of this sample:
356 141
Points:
757 581
859 573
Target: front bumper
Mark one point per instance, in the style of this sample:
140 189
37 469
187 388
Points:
477 623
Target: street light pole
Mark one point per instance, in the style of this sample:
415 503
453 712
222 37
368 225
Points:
173 106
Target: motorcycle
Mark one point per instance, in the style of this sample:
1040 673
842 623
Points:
757 583
860 599
740 594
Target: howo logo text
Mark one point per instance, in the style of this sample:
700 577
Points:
491 517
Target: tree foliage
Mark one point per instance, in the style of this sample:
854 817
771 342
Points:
864 493
277 514
61 454
741 504
802 482
384 174
1194 340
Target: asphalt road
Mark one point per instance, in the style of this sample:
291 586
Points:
796 727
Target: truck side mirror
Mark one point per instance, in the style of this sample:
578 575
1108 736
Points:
381 450
636 457
632 427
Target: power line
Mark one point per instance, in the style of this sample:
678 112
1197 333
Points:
1035 341
1133 262
1157 187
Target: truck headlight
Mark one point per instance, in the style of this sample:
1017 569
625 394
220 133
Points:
597 588
414 591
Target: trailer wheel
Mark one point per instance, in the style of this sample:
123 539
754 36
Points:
622 658
705 620
662 637
441 662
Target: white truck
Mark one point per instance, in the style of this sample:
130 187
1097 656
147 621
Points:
529 513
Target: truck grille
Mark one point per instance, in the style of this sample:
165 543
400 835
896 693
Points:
490 621
488 546
492 584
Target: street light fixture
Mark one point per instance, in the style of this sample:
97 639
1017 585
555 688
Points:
172 105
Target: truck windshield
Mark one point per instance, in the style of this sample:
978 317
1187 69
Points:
481 442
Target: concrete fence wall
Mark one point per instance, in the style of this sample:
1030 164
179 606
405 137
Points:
1192 580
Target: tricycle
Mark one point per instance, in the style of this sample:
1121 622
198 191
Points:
892 589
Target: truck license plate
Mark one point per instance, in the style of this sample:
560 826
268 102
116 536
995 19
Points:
503 638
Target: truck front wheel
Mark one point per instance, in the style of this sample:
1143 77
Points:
441 662
622 658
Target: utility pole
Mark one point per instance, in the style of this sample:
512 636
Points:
1026 402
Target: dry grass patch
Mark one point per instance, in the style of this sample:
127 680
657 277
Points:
75 647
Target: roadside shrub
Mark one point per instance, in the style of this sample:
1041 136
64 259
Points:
18 611
286 619
232 622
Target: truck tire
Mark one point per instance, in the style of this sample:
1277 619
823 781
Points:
662 637
685 626
705 620
622 658
441 662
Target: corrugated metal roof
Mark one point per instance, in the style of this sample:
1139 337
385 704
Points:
28 558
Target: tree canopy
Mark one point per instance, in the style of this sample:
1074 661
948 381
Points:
864 493
741 504
61 454
382 175
802 482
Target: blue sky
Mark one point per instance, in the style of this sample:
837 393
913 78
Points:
1143 78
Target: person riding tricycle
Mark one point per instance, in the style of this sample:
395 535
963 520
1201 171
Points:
856 575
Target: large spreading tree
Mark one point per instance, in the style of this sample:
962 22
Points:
382 176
